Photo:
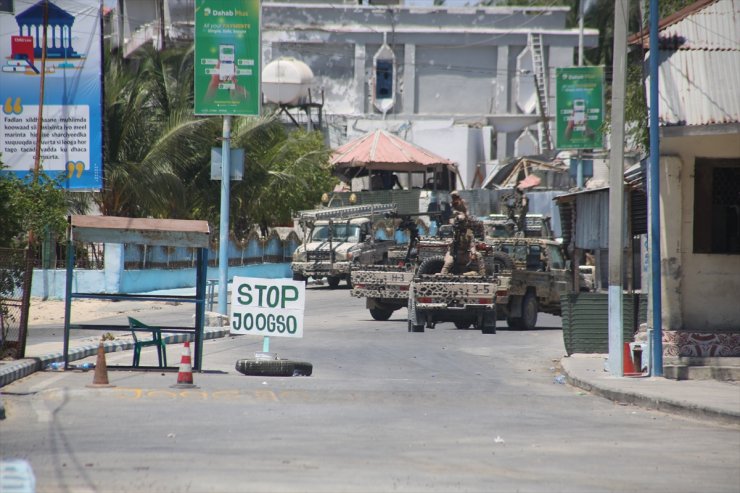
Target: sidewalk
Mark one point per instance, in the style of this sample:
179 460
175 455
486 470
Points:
703 399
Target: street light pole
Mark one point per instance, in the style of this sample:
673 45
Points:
223 231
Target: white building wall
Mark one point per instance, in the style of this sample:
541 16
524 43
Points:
707 295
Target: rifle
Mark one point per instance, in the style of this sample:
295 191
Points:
410 225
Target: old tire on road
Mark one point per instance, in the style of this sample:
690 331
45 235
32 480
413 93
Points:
273 367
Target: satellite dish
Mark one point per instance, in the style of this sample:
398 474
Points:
286 80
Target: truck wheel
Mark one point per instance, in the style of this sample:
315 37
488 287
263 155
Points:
489 323
431 265
299 277
514 322
529 311
333 282
381 314
349 282
502 261
462 324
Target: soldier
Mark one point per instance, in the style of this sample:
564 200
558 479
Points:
462 252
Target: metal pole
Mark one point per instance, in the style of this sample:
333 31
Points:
580 33
579 162
223 230
654 196
616 189
40 122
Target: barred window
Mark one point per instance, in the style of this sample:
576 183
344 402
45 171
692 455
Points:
717 206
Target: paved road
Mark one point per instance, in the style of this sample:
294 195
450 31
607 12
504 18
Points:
385 410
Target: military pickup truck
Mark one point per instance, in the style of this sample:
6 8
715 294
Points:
532 275
386 287
336 238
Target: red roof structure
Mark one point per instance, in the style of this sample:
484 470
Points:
381 150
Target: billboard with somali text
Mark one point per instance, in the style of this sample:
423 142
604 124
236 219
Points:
71 129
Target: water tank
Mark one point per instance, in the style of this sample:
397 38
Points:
286 80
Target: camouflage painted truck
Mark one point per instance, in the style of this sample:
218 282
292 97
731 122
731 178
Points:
462 298
386 287
532 275
336 238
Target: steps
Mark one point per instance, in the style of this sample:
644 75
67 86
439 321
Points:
725 369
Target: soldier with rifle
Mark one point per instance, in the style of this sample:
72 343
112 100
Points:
462 254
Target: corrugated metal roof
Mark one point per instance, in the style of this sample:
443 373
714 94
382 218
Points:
700 66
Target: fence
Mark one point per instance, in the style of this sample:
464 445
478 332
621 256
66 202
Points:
16 269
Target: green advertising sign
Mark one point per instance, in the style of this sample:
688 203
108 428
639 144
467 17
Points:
580 107
227 57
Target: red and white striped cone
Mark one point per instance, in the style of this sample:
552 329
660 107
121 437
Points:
185 376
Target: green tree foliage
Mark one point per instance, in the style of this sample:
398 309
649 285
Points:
151 135
30 206
157 153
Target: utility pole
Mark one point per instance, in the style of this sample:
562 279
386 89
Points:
223 229
616 189
656 288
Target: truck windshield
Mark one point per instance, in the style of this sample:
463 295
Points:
342 232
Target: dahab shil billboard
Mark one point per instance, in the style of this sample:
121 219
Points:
71 139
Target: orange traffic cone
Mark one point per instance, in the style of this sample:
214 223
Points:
627 364
100 379
185 376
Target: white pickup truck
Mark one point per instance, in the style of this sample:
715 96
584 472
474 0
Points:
336 238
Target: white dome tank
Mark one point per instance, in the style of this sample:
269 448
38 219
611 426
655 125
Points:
286 80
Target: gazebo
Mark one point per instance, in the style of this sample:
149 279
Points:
382 154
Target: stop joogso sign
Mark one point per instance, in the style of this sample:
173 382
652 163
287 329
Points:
267 307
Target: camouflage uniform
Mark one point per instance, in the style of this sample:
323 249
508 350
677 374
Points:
467 258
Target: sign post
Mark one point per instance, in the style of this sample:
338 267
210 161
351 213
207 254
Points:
227 82
267 307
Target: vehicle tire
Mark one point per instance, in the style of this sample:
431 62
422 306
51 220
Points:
489 323
380 314
265 368
530 308
514 323
462 324
299 277
333 282
431 265
415 327
502 261
349 282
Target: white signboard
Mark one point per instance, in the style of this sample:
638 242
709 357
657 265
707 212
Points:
267 307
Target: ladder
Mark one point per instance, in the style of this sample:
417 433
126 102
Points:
540 79
352 211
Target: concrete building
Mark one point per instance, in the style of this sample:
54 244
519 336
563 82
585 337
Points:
457 81
699 115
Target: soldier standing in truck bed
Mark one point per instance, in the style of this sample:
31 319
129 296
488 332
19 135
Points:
462 252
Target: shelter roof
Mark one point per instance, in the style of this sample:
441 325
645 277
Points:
381 150
166 232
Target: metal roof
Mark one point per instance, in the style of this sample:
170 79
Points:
700 65
166 232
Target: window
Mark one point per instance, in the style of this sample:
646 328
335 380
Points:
717 206
384 79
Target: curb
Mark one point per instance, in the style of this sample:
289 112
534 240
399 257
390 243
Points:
663 404
28 366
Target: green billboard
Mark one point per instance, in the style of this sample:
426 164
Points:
227 57
580 107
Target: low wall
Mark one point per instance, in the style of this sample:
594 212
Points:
50 283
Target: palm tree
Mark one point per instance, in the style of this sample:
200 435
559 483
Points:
151 135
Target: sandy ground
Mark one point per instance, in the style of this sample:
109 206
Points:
51 312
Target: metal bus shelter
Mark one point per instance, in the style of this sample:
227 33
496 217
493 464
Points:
159 232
